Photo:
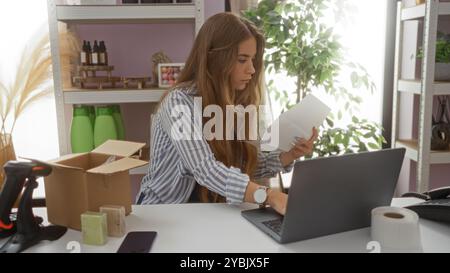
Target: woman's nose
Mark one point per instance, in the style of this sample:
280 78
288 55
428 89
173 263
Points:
251 69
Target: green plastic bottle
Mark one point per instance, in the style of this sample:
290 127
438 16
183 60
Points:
92 114
120 127
105 127
81 132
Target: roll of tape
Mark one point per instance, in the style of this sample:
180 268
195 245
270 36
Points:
396 229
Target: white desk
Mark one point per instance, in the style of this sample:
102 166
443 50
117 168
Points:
221 228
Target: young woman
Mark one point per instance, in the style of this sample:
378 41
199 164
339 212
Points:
225 67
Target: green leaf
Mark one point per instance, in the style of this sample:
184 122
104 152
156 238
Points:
330 122
354 78
362 147
347 105
373 146
346 140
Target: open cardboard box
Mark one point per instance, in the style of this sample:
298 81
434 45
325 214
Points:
85 182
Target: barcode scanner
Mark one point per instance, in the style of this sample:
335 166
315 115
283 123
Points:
26 231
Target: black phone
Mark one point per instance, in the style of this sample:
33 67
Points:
137 242
436 206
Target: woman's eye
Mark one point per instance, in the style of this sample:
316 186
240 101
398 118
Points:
242 61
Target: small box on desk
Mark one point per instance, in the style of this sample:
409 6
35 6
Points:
86 181
94 228
115 216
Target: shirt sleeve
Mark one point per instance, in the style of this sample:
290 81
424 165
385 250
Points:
269 165
178 122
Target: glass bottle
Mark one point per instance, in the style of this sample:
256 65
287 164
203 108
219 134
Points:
94 55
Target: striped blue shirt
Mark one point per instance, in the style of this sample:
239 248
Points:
176 164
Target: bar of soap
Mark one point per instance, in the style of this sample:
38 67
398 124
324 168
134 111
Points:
116 219
94 228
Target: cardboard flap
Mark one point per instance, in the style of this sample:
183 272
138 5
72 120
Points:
118 147
53 163
66 157
118 166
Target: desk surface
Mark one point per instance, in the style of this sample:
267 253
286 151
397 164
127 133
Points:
221 228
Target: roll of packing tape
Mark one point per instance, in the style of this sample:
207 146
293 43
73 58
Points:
396 229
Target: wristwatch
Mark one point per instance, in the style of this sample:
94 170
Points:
260 195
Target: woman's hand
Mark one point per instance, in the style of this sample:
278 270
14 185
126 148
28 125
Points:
277 200
301 147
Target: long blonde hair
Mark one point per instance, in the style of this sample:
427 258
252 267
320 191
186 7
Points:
209 66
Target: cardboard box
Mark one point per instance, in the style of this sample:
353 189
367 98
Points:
85 182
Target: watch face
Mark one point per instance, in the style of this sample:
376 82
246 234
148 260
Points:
260 196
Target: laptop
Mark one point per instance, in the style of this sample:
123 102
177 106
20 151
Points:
331 195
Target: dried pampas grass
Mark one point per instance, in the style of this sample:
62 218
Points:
33 78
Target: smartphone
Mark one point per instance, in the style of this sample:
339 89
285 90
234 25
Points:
137 242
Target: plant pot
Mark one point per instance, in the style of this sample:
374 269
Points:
442 72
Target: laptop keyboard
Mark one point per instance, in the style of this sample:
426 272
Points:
274 225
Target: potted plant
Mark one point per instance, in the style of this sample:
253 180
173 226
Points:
303 48
442 57
442 66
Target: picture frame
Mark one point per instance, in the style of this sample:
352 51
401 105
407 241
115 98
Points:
168 74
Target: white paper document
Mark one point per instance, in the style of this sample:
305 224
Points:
296 122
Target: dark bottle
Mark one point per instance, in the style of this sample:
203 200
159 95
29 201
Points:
89 54
103 54
94 54
83 53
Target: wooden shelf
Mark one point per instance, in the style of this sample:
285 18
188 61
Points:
88 96
436 157
87 14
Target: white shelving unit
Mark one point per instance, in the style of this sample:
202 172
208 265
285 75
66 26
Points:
117 14
125 12
419 150
84 96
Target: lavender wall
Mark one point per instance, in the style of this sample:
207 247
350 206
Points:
130 46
